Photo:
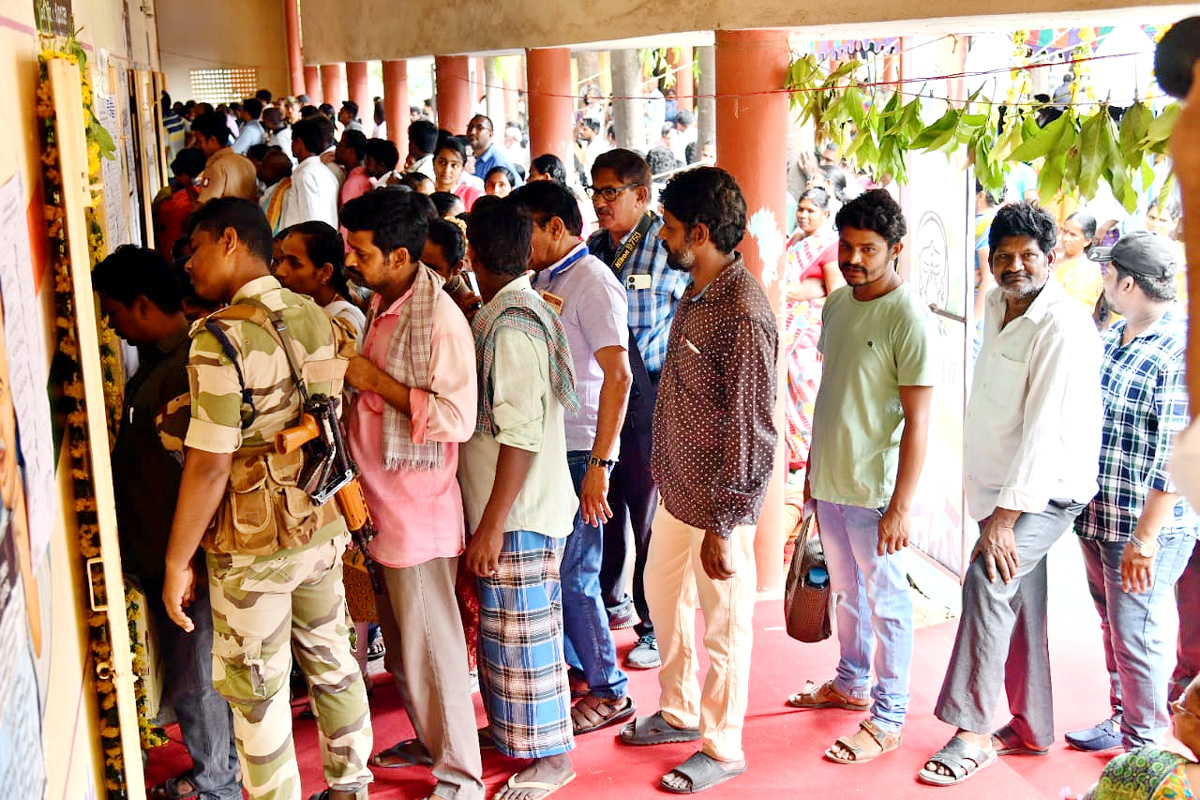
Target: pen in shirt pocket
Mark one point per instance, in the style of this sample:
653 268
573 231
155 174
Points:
691 346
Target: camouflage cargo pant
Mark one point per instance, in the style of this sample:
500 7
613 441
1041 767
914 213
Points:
259 609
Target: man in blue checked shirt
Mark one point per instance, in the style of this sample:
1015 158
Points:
628 242
1138 532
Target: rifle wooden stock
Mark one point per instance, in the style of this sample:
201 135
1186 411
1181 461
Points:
289 439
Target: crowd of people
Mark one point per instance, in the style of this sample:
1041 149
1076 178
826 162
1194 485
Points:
561 411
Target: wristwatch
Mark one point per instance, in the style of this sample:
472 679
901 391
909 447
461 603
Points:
1144 549
600 462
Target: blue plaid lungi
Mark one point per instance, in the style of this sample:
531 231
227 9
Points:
522 674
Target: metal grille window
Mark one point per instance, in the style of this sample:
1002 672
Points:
223 85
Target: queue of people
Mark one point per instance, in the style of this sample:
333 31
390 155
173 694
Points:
526 403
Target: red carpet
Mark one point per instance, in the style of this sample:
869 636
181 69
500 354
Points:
783 746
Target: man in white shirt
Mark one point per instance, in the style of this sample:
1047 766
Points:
1031 455
314 192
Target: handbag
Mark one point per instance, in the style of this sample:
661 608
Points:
808 598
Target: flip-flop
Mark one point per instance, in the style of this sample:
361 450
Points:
1012 745
547 789
593 713
656 730
408 753
701 771
808 698
955 757
169 789
887 743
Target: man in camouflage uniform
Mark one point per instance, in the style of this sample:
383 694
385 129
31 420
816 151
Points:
274 558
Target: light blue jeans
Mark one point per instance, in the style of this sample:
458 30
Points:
872 603
1139 634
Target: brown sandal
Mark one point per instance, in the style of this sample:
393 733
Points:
826 696
858 755
593 713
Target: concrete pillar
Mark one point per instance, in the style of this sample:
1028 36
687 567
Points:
589 68
629 114
360 93
333 84
453 87
752 121
706 103
549 102
395 103
312 84
685 85
291 14
478 84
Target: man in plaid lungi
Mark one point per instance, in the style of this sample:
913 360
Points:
520 505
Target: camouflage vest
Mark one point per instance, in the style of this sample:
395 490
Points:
264 510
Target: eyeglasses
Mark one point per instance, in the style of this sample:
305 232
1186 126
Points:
609 193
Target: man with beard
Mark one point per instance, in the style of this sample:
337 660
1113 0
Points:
870 429
487 155
1031 455
714 445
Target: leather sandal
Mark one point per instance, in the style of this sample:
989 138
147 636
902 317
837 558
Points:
886 740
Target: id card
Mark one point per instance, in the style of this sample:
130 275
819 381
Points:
637 282
554 301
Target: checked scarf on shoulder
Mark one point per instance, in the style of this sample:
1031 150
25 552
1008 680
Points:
408 362
527 312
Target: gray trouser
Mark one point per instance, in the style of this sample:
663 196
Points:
1002 639
427 654
1139 633
1187 598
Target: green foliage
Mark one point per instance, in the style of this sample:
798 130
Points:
876 128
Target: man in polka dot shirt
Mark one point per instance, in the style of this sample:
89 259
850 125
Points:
713 454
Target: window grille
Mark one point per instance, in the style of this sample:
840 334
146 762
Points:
223 85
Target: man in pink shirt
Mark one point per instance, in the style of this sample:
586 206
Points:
349 155
417 400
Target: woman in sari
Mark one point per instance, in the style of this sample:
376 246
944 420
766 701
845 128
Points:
812 273
1152 773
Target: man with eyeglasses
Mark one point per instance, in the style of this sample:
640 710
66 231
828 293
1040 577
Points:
1138 532
628 242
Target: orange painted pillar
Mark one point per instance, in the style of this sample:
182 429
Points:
549 102
453 82
685 84
356 80
291 14
312 84
478 84
395 103
752 124
333 84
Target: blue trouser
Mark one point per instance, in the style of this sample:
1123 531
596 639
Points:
589 643
872 603
205 720
1139 634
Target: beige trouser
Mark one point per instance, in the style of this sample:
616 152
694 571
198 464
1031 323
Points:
675 579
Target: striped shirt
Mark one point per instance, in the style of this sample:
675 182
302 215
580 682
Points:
1145 406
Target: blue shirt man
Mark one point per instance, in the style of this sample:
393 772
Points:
487 155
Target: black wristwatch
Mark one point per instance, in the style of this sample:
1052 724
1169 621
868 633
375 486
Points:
600 462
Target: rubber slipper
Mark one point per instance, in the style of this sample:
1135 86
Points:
593 713
701 771
169 789
962 758
408 753
656 730
859 755
1012 745
808 698
547 789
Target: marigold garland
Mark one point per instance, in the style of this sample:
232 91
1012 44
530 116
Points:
67 376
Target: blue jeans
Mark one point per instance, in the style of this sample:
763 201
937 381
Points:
872 603
1139 634
589 642
205 720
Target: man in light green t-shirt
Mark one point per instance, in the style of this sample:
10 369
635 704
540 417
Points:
870 429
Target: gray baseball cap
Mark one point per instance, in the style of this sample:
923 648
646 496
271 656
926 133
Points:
1142 252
